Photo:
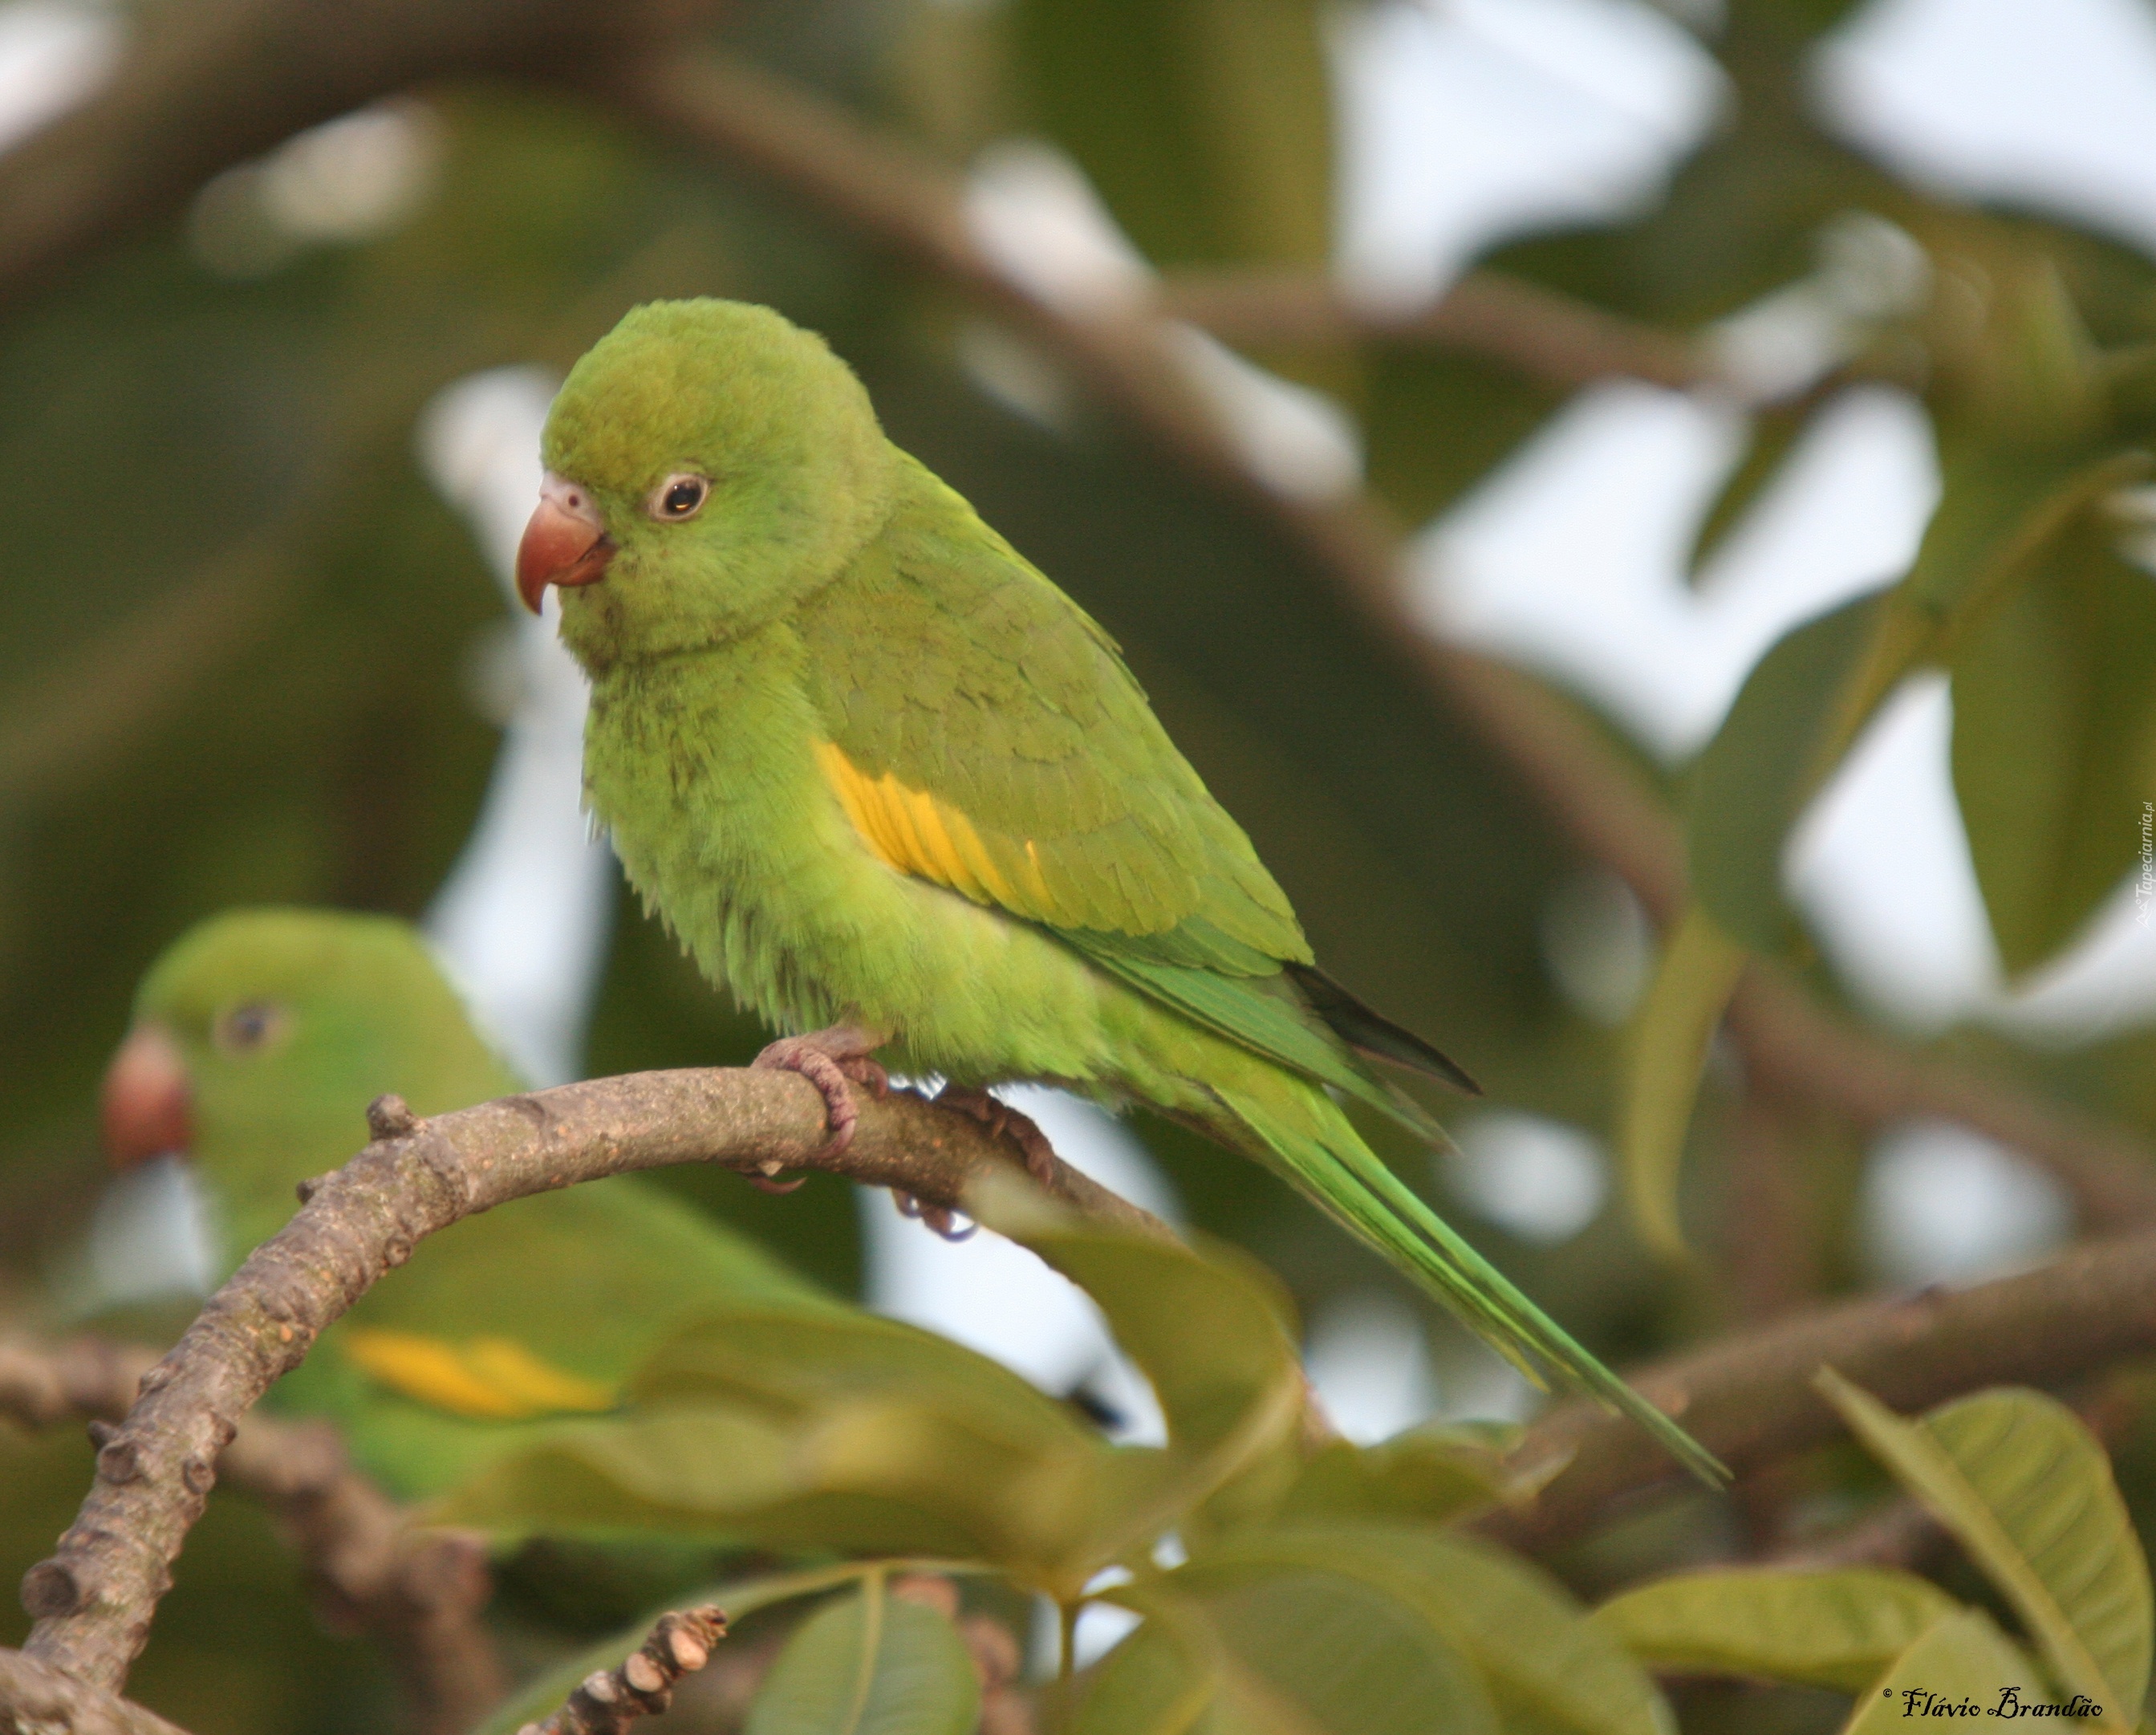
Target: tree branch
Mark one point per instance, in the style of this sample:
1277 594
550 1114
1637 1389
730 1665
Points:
418 1594
1748 1398
607 1701
94 1598
37 1699
1554 338
205 85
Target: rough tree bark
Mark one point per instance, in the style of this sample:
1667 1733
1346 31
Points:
418 1594
94 1598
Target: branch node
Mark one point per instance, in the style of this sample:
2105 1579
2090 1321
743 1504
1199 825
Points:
198 1475
609 1700
118 1460
50 1588
390 1117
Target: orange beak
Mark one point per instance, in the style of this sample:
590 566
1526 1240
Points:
147 1106
565 543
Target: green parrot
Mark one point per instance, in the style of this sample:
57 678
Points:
897 791
259 1038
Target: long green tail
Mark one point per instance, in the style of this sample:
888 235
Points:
1332 1166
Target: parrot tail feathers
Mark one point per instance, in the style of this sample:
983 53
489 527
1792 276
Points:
1329 1163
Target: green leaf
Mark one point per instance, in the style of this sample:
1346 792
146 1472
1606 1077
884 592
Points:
1209 1327
1829 1628
2055 741
839 1430
1961 1661
869 1663
1539 1655
1205 124
1805 704
1763 766
1436 422
1775 430
2029 1493
867 1478
788 1366
1431 1473
1310 1649
826 1431
1666 1053
1159 1680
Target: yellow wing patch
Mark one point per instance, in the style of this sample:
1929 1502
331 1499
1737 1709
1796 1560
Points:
914 832
495 1380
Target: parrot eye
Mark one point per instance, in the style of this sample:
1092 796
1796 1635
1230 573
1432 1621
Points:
246 1029
678 497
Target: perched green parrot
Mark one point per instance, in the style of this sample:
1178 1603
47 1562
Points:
898 793
259 1038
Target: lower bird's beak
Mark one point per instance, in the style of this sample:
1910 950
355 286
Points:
147 1104
565 543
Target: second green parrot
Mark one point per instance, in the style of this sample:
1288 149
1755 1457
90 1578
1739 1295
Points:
903 797
259 1038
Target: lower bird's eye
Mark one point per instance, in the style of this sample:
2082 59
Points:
680 497
249 1027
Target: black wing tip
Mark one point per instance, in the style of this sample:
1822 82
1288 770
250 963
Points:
1370 1033
1458 1076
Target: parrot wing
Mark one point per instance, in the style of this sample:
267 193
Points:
985 734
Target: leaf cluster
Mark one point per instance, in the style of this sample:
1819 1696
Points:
1278 1582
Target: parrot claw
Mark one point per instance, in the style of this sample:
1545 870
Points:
1005 1122
832 1060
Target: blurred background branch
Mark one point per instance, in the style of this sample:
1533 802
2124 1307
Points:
200 89
416 1593
1749 1396
39 1697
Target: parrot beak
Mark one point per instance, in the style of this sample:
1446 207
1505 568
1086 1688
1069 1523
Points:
147 1106
565 543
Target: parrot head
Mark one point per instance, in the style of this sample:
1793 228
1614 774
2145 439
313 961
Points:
708 465
261 1035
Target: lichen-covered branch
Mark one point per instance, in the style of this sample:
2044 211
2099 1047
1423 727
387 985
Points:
418 1593
607 1701
1748 1398
94 1598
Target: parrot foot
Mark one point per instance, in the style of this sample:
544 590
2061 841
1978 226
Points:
1005 1122
832 1060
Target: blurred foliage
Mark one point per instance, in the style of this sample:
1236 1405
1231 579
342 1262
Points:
237 657
1327 1588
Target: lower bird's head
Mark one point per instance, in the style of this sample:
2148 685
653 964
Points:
261 1035
708 463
